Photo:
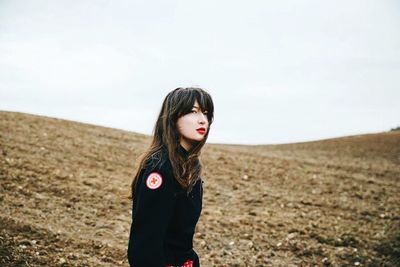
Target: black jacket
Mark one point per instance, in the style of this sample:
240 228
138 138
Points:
164 217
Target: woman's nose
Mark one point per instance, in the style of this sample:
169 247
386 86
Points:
203 118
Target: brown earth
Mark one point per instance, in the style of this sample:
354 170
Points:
332 202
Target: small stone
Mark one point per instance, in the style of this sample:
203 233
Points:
231 243
62 261
245 177
357 263
226 252
291 235
272 254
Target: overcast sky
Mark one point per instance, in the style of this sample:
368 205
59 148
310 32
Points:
278 71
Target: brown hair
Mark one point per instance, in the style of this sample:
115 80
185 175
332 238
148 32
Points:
177 103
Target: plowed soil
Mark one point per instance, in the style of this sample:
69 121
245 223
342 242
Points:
63 188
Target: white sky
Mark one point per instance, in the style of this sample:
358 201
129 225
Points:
278 71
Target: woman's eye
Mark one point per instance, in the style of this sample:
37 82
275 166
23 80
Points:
204 112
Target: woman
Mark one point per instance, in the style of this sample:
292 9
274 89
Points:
167 190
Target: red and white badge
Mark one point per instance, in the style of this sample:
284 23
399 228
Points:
154 180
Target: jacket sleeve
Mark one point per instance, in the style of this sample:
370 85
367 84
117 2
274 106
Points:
151 213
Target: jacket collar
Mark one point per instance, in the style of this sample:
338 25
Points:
183 151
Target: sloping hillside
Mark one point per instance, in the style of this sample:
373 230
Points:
332 202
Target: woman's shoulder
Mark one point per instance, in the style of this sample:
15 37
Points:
159 162
157 169
156 161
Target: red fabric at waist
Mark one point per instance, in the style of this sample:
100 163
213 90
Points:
188 263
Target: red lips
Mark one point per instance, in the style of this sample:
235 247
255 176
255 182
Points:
201 130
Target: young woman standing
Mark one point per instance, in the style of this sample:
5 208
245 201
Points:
167 189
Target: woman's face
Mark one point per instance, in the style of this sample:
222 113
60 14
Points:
193 126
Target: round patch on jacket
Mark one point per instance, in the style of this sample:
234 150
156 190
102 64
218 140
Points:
154 180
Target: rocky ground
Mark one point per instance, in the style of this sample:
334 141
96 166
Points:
63 188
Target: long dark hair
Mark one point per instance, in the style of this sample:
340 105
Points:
177 103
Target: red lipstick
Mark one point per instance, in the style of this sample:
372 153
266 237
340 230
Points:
201 130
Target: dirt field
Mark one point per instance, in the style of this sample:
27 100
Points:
334 202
